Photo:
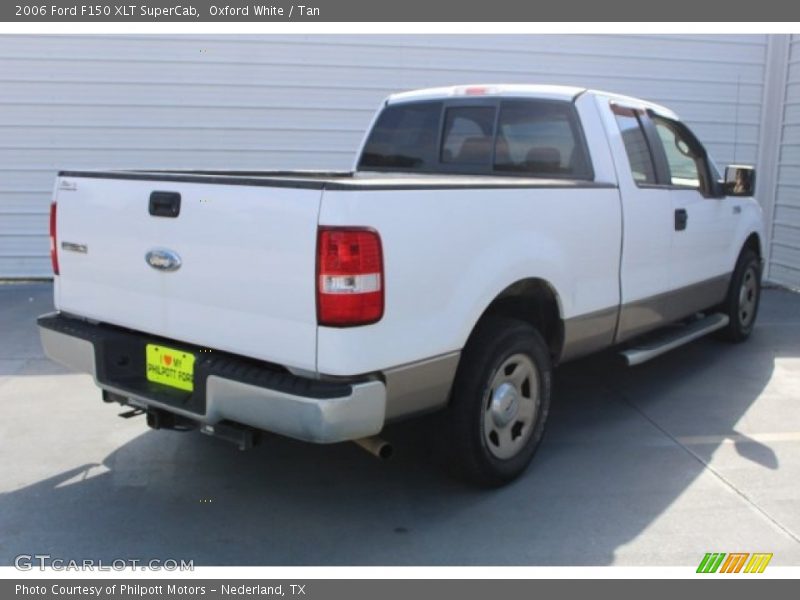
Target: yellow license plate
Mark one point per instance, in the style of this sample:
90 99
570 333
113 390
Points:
171 367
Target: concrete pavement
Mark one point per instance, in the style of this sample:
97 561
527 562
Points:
694 452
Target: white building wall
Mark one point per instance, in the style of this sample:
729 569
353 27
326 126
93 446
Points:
263 102
784 256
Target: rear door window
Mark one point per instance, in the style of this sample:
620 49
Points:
636 146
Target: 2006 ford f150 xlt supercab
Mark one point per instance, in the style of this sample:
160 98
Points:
486 234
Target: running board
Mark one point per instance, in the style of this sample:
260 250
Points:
673 338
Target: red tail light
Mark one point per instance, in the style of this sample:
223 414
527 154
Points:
350 282
53 241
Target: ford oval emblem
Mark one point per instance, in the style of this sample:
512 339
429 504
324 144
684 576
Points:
163 259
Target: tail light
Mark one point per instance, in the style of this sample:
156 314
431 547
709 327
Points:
53 241
350 282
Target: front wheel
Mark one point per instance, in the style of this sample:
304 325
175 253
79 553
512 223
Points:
744 294
501 398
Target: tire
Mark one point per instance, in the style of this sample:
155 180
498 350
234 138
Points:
500 402
744 294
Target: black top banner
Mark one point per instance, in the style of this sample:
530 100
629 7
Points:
400 11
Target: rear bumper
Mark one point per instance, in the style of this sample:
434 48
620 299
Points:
226 387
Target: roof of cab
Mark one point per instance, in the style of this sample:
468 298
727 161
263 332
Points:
559 92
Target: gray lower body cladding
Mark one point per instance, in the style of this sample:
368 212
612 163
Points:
585 334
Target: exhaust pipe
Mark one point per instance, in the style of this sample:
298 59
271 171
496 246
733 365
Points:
376 446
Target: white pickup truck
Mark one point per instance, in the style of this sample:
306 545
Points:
486 234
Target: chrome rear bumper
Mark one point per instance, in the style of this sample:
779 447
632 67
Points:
305 409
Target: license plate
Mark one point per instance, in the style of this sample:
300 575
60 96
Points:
171 367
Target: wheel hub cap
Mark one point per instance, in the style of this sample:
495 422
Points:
511 406
505 404
748 295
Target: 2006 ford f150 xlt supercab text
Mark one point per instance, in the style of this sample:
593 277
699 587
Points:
486 234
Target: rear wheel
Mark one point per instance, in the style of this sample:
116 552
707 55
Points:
744 294
501 398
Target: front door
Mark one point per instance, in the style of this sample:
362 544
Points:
704 221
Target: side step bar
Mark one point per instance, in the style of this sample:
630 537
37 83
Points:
673 338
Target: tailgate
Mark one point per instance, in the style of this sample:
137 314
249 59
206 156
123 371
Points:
245 283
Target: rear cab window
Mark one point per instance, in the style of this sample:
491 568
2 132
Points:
468 135
540 139
404 137
509 137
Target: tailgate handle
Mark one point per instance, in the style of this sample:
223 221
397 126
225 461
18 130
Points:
165 204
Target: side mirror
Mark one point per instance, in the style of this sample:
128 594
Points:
740 180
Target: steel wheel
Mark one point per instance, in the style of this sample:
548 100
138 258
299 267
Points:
741 302
748 297
500 400
511 406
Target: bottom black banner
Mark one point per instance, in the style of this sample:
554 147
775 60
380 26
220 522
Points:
383 589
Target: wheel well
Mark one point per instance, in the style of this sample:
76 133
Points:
753 243
533 301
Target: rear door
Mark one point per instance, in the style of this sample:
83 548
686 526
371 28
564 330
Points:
647 221
245 279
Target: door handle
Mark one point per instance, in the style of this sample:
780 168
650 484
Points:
681 218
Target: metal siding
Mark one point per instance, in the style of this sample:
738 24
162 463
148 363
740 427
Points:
784 253
255 102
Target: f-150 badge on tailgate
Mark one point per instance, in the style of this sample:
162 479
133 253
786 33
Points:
163 260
